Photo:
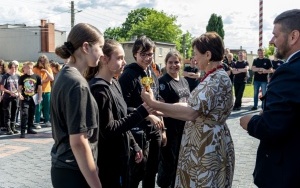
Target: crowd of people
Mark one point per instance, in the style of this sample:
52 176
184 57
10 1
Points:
18 93
111 129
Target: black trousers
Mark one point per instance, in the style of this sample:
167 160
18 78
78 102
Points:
27 113
9 107
62 178
147 169
1 116
169 156
238 92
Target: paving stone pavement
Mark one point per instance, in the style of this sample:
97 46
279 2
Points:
25 163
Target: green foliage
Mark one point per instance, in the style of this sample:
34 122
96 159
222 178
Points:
186 45
144 21
114 33
158 26
134 17
270 50
215 23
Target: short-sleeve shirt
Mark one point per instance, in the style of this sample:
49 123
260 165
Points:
241 77
10 82
261 63
73 111
46 86
173 91
29 84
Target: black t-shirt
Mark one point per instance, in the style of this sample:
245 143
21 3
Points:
230 65
193 82
261 63
242 76
30 84
10 82
73 111
275 65
173 91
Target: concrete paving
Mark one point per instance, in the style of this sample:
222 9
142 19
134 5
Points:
26 162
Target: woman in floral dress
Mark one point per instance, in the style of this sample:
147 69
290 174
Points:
206 157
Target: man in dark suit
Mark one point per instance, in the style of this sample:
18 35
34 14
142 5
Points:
278 125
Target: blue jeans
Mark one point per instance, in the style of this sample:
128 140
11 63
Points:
257 85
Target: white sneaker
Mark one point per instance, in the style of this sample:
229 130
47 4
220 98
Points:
48 124
37 126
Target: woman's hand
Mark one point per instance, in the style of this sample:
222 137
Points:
147 96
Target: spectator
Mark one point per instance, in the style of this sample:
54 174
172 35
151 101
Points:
277 126
9 85
192 74
172 88
42 68
275 64
239 70
206 151
2 72
74 112
261 67
29 85
230 61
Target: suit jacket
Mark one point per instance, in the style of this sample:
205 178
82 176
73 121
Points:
278 129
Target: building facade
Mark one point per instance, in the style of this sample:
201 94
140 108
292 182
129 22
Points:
26 43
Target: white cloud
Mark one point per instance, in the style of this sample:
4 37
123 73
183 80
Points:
240 18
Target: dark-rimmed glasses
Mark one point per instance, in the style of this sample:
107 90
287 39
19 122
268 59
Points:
144 55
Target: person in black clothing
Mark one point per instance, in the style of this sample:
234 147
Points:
74 112
146 135
9 85
192 74
172 88
239 70
2 72
29 85
230 61
115 137
275 64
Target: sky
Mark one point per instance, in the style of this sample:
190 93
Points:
240 17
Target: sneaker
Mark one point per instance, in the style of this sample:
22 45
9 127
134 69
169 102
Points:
254 108
48 124
30 131
37 126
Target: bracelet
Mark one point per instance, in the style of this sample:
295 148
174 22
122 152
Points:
164 128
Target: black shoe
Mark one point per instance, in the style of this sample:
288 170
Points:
15 131
9 132
30 131
254 108
22 135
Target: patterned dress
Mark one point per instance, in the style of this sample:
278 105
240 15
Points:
206 157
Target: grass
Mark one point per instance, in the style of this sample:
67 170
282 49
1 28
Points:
249 92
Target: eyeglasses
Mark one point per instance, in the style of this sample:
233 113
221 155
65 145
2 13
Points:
144 55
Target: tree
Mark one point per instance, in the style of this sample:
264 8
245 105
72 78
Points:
215 23
114 33
144 21
158 26
134 17
186 47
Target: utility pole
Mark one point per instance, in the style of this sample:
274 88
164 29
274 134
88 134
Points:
73 14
